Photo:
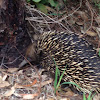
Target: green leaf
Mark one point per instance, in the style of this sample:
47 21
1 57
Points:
44 1
99 53
84 97
61 77
57 6
56 75
28 0
93 95
52 3
65 0
36 1
42 7
89 97
71 83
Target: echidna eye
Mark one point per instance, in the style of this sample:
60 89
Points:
40 53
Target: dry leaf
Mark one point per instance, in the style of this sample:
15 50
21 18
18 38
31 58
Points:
97 97
11 70
82 15
44 83
50 99
90 33
18 86
33 83
98 29
4 84
10 92
0 79
64 99
29 96
80 22
98 19
72 21
4 77
17 95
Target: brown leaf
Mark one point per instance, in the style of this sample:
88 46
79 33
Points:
0 79
9 92
34 82
90 33
18 86
11 70
4 77
98 19
82 15
80 22
97 97
4 84
29 96
50 99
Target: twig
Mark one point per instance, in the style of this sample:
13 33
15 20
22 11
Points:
92 14
13 61
2 61
48 17
72 12
32 66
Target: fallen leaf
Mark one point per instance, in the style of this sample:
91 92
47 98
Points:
9 92
64 99
96 97
46 82
29 96
11 70
98 29
80 22
18 86
17 95
90 33
82 15
98 19
4 84
72 21
4 77
50 99
34 82
0 79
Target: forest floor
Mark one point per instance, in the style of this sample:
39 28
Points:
74 16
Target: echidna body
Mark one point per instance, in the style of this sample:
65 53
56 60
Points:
83 65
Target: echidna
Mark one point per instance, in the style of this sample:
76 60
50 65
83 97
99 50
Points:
83 64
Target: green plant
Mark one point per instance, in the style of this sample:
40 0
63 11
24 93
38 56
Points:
41 4
57 73
90 97
99 53
57 82
97 4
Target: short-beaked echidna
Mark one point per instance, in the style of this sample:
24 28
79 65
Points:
83 64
